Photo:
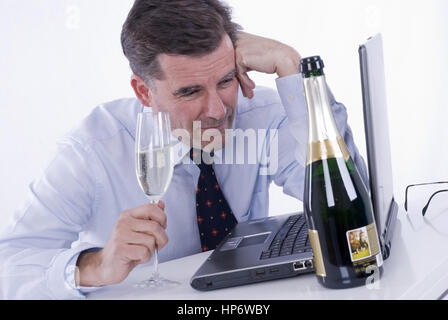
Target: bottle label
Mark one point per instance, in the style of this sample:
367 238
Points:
317 251
363 243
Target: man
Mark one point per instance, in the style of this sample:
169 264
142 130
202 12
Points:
88 224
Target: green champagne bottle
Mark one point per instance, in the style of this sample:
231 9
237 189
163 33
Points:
337 205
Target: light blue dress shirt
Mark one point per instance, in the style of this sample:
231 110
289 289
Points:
91 180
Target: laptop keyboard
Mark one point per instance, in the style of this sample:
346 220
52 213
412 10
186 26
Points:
292 238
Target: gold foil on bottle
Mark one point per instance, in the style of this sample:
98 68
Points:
327 149
317 251
343 148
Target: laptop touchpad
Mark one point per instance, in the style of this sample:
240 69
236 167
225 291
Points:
254 239
239 242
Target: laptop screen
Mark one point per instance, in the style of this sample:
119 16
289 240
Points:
377 129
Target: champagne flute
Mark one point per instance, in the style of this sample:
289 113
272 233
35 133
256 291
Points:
154 169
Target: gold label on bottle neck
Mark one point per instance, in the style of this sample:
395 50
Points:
327 149
317 252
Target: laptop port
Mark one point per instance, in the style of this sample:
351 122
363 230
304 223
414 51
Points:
309 264
303 265
260 273
274 270
299 265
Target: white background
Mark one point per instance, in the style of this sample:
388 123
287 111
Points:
59 59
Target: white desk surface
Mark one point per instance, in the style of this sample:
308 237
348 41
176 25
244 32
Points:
416 269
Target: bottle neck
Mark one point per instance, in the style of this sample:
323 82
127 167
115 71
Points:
322 125
324 138
313 73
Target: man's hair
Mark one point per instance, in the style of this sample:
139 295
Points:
177 27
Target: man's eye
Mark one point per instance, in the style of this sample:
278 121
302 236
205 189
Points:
189 93
227 81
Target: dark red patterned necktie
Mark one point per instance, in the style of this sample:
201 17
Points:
215 218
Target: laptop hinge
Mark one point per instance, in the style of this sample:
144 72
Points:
389 229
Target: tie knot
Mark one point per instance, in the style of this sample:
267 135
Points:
202 159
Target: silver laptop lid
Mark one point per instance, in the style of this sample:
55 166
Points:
376 123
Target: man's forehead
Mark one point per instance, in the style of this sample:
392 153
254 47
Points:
184 67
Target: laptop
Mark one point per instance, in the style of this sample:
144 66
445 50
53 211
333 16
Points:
278 247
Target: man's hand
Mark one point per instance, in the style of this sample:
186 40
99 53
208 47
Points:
135 236
264 55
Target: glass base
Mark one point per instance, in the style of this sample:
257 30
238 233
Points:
156 281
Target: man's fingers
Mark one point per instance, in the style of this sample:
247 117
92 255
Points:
139 253
247 85
161 204
140 238
149 212
141 229
247 81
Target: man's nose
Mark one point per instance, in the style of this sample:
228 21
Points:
215 107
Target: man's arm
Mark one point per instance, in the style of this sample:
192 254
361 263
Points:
255 53
38 261
293 135
35 249
270 56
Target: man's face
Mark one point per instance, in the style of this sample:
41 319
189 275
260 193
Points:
201 89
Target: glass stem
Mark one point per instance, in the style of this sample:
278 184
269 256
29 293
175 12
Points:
156 262
156 254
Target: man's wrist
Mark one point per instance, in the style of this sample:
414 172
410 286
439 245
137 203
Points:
288 62
87 270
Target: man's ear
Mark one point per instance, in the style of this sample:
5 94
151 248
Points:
141 89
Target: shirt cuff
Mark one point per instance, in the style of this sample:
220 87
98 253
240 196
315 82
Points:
70 273
60 277
290 89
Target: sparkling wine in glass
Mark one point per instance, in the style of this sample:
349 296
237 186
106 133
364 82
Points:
154 169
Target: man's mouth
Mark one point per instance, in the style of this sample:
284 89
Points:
221 125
